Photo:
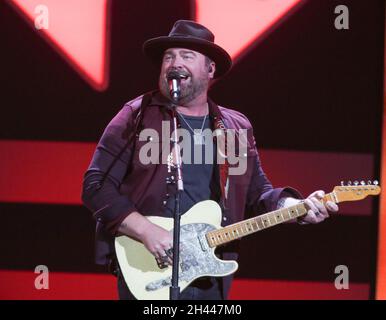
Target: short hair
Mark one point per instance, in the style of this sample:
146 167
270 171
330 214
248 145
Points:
208 61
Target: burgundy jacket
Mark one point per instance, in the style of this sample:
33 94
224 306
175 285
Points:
138 187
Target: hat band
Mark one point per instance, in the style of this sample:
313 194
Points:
181 35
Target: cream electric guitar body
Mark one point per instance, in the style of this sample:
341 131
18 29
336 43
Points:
201 233
141 272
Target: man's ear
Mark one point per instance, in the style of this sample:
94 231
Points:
212 69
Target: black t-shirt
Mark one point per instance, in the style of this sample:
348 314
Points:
196 176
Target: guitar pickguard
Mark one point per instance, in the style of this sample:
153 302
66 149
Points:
197 259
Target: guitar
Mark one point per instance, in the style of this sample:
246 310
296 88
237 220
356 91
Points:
201 233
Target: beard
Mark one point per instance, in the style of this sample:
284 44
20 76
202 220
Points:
190 88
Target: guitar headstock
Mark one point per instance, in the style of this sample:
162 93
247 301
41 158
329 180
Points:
356 190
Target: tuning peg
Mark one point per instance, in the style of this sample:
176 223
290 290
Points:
342 183
356 183
349 183
363 182
375 182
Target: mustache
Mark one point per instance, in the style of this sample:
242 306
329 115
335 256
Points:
180 72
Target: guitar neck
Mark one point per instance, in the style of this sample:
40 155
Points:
264 221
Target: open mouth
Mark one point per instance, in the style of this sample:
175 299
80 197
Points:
183 76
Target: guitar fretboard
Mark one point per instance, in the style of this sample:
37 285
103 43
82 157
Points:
264 221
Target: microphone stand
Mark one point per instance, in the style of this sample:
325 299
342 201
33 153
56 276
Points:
174 292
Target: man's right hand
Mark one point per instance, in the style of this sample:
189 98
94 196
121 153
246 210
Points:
159 242
155 238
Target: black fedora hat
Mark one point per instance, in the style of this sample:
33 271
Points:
191 35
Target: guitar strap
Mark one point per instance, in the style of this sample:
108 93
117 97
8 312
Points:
223 167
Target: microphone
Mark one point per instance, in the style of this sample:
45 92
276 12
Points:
174 80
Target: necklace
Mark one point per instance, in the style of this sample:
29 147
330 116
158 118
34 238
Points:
198 137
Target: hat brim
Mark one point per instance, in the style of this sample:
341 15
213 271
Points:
155 48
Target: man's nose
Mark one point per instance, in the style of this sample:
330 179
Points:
177 62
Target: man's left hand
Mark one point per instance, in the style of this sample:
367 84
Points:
317 210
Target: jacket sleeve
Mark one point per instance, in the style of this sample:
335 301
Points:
104 199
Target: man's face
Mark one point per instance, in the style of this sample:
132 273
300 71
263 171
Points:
194 68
